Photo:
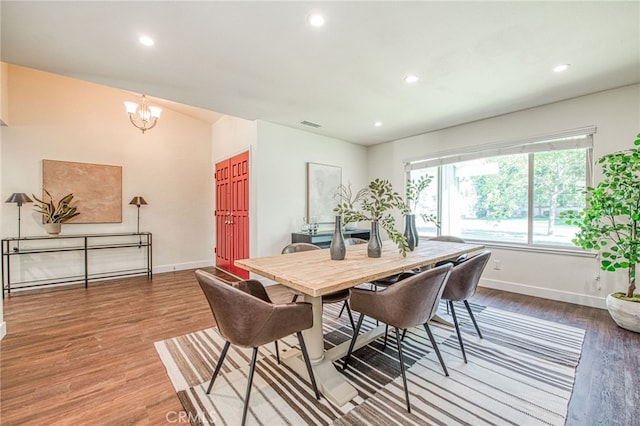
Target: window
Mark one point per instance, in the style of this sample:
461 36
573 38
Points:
508 193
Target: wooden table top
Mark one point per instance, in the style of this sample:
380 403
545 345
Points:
315 274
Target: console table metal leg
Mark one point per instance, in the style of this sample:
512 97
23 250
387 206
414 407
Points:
149 257
3 256
8 272
86 264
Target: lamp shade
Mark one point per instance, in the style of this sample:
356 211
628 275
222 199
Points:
138 201
19 198
131 107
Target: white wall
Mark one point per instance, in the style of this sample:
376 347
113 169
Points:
231 136
281 176
4 107
59 118
616 113
4 97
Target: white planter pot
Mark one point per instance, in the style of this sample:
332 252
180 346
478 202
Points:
53 228
626 314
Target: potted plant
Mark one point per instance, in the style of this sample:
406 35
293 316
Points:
53 215
610 224
373 203
412 194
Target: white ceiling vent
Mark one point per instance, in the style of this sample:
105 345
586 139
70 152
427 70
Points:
310 124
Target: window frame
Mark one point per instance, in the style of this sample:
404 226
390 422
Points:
559 141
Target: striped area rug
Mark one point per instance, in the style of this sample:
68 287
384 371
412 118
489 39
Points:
521 373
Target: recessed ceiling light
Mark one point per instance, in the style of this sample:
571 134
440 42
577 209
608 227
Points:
378 123
146 40
316 20
562 67
411 78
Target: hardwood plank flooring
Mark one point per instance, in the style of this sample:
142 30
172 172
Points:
76 356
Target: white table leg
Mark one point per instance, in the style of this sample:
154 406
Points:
331 383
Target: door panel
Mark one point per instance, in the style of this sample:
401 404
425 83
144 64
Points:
232 213
223 254
240 208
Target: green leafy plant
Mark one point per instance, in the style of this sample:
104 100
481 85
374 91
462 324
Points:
373 203
412 194
51 212
610 222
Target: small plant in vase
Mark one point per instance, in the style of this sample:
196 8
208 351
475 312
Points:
54 214
374 204
412 194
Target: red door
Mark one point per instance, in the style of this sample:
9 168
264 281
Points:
223 256
232 213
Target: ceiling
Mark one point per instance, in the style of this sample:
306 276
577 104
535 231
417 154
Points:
261 60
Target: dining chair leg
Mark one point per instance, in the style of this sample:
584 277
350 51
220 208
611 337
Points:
277 352
342 309
353 324
294 298
353 342
475 324
404 377
218 365
435 347
307 362
404 332
455 322
249 382
386 331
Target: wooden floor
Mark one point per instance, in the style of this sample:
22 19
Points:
78 356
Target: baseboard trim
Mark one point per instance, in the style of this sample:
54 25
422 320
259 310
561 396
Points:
3 329
545 293
183 266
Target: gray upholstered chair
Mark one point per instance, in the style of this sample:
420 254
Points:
406 304
354 241
451 239
246 317
462 284
336 297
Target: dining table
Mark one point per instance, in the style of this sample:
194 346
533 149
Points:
314 274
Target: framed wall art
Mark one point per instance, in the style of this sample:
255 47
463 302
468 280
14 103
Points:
322 182
96 188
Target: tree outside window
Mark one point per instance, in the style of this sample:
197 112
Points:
488 198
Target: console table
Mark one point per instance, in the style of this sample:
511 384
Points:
324 239
86 243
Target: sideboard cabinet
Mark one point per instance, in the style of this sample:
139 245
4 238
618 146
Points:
323 239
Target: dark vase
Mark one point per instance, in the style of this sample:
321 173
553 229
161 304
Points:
337 249
374 248
415 230
410 231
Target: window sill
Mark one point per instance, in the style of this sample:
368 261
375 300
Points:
563 251
576 252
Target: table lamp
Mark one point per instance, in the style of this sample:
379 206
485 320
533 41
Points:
19 198
138 201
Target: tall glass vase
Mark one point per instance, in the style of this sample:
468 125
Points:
337 249
374 248
410 231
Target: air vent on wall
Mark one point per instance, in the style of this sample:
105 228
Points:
310 124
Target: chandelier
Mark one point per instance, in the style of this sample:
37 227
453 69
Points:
142 115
